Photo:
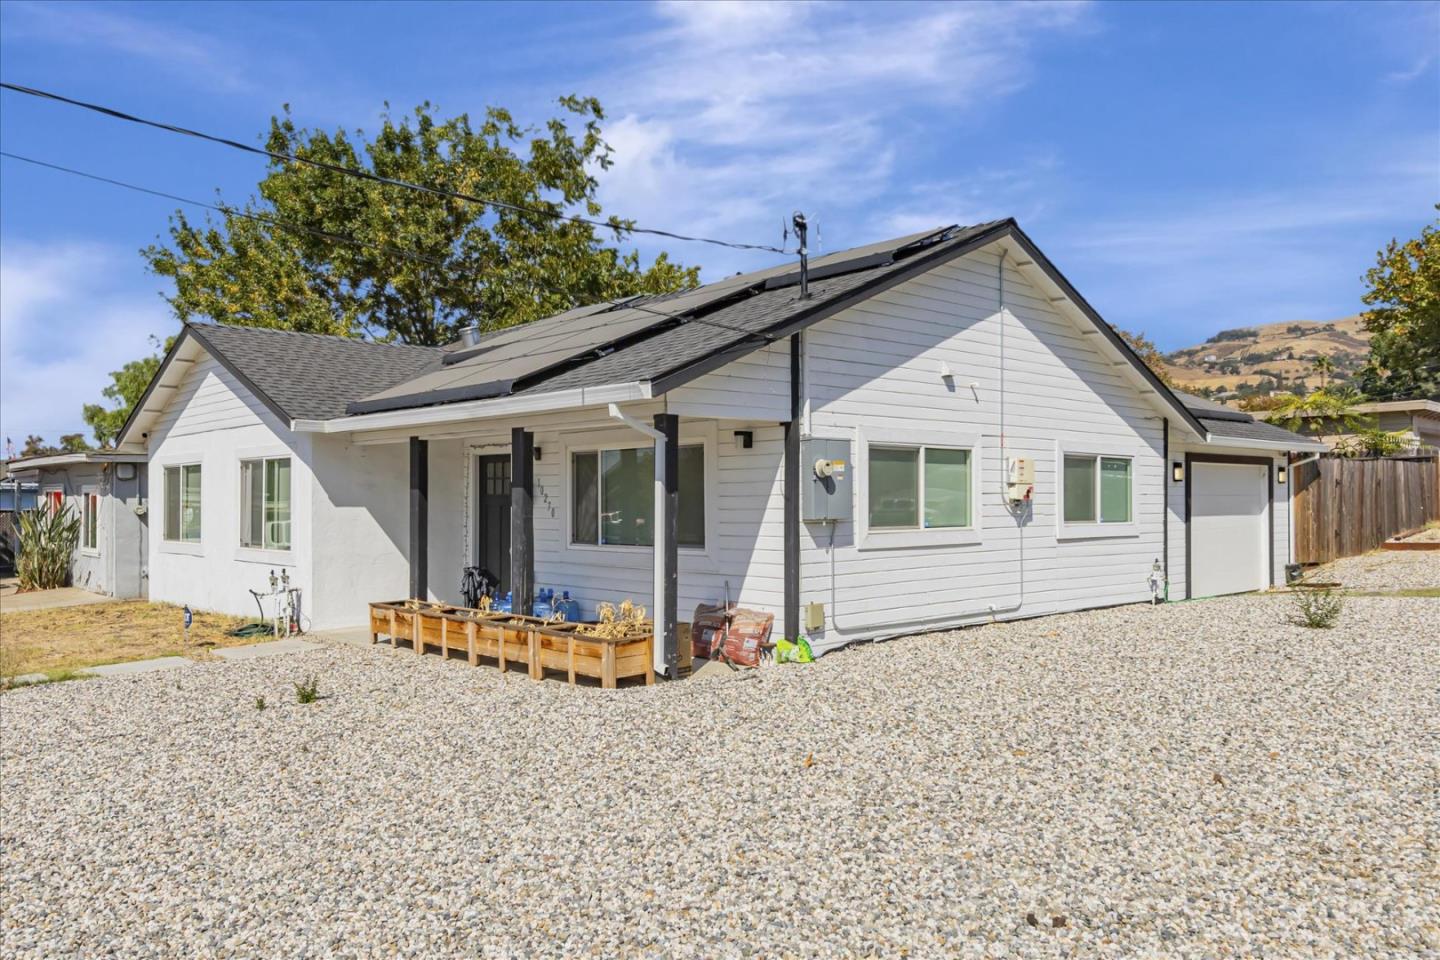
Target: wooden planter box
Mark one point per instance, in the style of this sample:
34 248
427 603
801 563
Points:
507 638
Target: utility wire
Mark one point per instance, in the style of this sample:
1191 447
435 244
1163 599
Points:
375 177
341 238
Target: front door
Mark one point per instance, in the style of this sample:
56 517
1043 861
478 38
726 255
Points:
492 527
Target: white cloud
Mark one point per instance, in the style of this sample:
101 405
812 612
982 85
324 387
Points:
66 321
728 115
203 59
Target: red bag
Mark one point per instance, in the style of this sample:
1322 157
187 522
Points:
749 633
707 630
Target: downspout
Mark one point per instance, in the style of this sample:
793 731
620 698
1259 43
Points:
640 426
1165 507
990 610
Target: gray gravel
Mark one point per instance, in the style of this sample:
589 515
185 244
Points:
1196 780
1382 570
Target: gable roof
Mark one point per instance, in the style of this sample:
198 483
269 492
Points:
667 341
657 342
297 376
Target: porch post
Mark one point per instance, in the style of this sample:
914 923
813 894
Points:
667 554
419 517
791 502
522 521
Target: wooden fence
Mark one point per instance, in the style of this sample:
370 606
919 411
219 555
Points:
1343 507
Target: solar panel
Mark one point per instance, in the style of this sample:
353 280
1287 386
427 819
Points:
491 368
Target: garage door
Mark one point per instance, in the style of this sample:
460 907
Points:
1229 527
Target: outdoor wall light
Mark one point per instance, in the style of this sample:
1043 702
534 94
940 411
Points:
537 453
1177 472
1280 474
745 439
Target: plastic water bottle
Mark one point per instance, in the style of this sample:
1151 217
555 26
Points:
570 608
503 606
544 603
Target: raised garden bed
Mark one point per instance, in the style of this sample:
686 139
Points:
508 638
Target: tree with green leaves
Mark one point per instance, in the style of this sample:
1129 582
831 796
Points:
1404 319
1324 366
126 387
324 252
1320 412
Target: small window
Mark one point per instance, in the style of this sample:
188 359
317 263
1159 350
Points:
612 497
265 503
54 500
911 484
1097 489
182 503
90 526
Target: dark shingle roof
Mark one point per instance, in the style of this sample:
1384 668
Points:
642 345
310 376
1253 430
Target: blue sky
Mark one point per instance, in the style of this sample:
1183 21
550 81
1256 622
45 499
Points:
1190 167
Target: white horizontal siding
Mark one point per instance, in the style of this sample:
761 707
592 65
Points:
875 368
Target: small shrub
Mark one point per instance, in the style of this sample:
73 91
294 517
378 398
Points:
308 691
259 703
1319 609
47 542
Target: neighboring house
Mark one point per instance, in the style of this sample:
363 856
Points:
108 492
1419 420
920 377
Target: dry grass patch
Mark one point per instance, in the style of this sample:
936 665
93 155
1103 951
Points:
67 638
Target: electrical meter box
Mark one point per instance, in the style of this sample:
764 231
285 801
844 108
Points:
826 480
1020 484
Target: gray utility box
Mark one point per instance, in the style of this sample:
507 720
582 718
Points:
826 480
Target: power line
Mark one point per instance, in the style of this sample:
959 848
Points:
341 238
375 177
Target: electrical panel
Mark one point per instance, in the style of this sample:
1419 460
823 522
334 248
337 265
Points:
1020 481
826 480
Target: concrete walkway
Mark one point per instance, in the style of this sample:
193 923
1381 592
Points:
131 668
12 602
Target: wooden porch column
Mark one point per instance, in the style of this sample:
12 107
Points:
522 520
419 517
667 553
791 502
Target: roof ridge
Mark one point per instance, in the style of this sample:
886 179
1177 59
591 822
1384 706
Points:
335 337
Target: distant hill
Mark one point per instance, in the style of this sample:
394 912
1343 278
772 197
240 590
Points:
1275 356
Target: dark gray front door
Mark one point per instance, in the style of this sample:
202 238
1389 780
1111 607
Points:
492 532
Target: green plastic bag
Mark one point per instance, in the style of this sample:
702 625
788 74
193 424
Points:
797 652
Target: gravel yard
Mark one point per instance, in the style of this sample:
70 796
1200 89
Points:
1198 780
1382 571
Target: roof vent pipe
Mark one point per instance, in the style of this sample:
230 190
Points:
801 227
470 336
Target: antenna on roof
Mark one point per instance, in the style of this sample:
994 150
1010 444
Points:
801 227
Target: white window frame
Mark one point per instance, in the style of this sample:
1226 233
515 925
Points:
93 549
166 545
703 435
264 461
1096 529
260 555
891 538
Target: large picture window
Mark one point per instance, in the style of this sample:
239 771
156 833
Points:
1097 489
613 497
182 503
919 487
90 524
265 503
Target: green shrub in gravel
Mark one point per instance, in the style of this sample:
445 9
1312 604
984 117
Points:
259 703
308 691
1318 608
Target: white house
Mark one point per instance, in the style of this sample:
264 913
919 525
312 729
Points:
107 491
938 430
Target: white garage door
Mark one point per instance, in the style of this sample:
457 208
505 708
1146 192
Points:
1229 525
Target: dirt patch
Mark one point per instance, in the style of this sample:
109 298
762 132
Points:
65 638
